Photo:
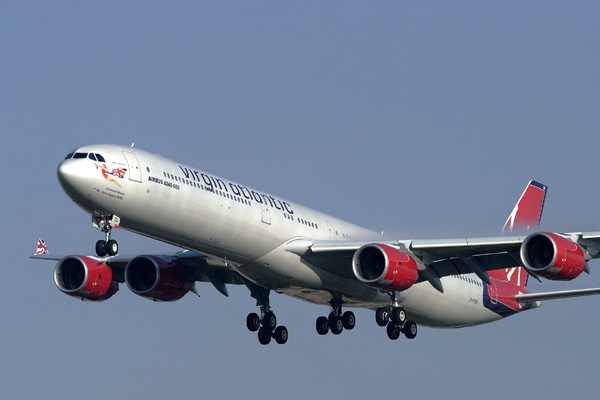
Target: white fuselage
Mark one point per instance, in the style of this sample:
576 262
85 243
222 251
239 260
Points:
186 207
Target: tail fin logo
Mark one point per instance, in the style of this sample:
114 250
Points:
517 276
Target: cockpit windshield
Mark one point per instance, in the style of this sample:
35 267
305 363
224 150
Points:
91 156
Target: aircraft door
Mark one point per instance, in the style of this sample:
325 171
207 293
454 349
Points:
135 173
265 214
331 230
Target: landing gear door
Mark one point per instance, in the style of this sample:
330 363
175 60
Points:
135 174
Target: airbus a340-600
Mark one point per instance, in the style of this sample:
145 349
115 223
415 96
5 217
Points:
233 234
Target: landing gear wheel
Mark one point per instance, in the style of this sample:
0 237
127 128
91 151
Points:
348 320
322 325
253 322
410 329
281 334
101 248
393 331
269 321
264 336
112 247
336 325
382 316
398 316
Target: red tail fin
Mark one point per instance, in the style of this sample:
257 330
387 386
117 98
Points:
524 217
528 211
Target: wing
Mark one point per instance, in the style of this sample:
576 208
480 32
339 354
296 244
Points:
437 258
198 267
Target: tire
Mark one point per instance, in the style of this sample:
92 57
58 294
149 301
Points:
281 334
410 329
398 316
322 325
349 320
393 331
112 247
253 322
101 248
264 336
269 321
336 325
382 316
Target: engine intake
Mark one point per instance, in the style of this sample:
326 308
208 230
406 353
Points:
85 278
156 278
383 266
552 256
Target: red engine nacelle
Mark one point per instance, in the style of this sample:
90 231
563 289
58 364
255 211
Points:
85 278
552 256
156 278
382 266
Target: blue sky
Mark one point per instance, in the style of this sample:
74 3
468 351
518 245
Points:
420 120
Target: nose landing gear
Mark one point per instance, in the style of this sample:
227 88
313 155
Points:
105 224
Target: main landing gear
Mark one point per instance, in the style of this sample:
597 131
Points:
337 321
266 323
105 224
394 318
267 327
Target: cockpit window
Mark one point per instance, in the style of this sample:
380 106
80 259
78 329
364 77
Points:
91 156
69 156
80 155
100 158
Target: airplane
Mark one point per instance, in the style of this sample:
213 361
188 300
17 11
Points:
231 234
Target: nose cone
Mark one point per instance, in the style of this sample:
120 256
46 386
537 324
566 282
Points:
66 172
69 175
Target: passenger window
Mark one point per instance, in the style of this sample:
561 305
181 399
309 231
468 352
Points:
91 156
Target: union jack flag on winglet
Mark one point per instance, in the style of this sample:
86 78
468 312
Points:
41 247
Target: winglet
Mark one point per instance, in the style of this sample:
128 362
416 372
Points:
41 247
528 211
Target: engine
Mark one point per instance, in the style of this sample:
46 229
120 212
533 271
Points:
156 278
552 256
85 278
384 267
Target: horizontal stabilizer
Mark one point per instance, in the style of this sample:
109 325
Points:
530 297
